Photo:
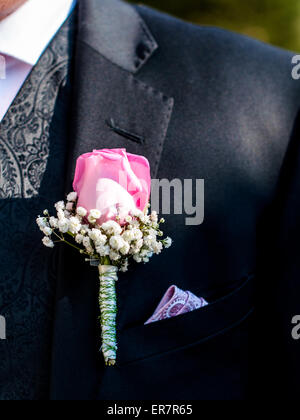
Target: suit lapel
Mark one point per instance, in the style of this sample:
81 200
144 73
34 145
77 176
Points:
117 32
112 108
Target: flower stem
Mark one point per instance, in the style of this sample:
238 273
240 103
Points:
108 307
62 239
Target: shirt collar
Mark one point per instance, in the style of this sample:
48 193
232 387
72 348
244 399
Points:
26 33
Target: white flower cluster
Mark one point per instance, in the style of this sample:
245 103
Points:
138 237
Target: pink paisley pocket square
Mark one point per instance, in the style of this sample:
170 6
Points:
176 302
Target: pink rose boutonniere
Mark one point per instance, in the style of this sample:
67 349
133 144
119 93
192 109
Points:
107 220
113 182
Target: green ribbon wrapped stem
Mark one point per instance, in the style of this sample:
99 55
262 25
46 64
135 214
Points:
108 308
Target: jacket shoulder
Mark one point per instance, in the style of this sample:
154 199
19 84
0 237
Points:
210 53
209 40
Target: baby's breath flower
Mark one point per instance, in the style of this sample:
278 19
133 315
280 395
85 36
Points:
85 229
96 214
168 242
137 258
92 220
70 206
138 234
72 196
97 237
138 238
124 267
150 241
79 238
125 248
139 243
61 214
82 212
134 224
103 250
94 234
158 247
144 253
53 222
116 242
63 225
47 242
74 225
111 228
136 249
154 225
137 213
153 232
114 256
47 231
128 236
60 205
145 219
41 222
154 217
87 244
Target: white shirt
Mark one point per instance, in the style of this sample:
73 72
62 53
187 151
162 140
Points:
24 36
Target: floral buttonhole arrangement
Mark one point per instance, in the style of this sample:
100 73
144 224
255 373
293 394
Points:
107 220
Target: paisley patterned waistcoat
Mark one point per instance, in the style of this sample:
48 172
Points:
33 153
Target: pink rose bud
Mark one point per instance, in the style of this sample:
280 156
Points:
113 182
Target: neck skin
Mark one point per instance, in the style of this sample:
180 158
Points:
7 7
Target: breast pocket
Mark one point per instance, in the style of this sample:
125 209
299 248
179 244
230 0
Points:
200 355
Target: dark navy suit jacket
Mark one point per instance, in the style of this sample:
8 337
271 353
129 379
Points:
210 105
